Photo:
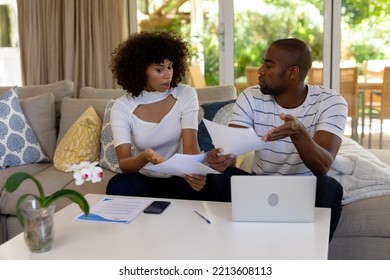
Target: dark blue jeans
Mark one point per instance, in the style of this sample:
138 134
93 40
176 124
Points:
137 184
329 193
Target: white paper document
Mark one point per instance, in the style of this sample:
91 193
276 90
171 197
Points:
181 164
115 210
233 140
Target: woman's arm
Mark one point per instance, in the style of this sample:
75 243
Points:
190 141
130 164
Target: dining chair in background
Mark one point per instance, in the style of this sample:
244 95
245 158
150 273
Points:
252 76
315 76
383 106
348 89
196 78
373 73
373 69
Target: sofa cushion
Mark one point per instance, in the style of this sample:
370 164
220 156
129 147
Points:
60 90
40 114
18 142
81 142
33 168
205 95
218 112
366 217
216 93
108 157
73 108
382 155
100 93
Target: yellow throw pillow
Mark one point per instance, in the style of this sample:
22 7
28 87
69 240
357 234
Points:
81 142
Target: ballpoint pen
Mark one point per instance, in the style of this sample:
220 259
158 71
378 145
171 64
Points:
203 217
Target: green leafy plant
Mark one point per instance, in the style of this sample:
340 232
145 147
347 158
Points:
84 171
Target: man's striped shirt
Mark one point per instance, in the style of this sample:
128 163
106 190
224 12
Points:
323 109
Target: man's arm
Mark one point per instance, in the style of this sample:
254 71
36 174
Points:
317 154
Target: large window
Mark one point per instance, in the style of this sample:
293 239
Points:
365 46
364 31
196 20
226 36
10 73
229 38
258 23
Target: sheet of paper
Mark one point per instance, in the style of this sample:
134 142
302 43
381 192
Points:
181 164
115 210
233 140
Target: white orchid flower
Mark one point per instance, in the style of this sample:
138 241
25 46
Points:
85 172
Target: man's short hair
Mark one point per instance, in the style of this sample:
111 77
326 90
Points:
298 53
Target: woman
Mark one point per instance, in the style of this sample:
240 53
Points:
156 119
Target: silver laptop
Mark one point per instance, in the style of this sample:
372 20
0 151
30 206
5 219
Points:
273 198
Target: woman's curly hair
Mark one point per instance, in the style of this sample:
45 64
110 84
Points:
132 57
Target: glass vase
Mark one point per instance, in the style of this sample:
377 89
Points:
38 226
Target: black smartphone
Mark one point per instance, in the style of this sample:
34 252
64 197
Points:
156 207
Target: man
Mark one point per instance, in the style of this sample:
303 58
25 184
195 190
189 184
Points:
302 125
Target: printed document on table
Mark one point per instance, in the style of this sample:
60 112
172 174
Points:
181 164
233 140
115 210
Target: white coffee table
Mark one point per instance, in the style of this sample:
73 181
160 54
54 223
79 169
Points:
179 234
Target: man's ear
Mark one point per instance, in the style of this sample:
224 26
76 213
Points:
294 72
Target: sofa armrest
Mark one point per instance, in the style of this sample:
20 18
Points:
245 161
382 155
216 93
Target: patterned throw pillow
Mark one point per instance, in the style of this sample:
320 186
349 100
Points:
108 157
218 112
18 142
81 142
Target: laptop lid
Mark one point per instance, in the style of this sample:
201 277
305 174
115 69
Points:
273 198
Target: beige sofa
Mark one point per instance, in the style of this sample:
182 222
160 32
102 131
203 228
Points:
43 107
51 110
363 232
364 229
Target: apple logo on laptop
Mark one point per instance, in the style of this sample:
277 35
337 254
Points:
273 199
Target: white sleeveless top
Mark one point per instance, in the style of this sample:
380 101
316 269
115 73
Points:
163 137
